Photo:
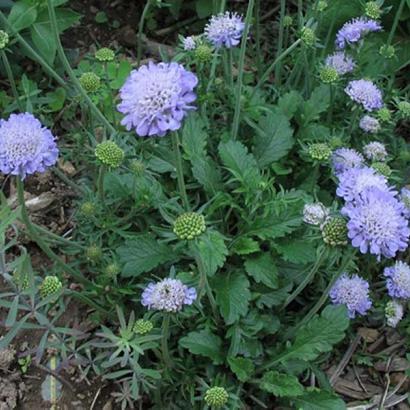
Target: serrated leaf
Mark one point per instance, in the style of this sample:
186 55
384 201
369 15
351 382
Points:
289 103
273 139
143 254
318 102
281 384
232 295
300 252
245 246
242 367
206 172
318 335
263 269
319 400
203 343
213 251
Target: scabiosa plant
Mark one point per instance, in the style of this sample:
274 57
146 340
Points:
104 55
334 231
308 36
353 292
404 109
50 285
376 223
369 124
341 62
319 151
110 154
372 10
168 295
387 51
90 82
189 225
328 75
398 280
4 39
366 93
354 30
346 158
156 98
315 214
142 326
384 114
189 43
225 30
375 151
26 147
393 312
355 180
216 397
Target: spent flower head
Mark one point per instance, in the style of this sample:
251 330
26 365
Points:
105 54
328 75
308 36
369 124
354 30
26 147
156 98
341 62
315 213
334 231
216 397
168 295
319 151
203 53
93 253
287 21
189 225
109 154
4 39
366 93
90 82
375 151
322 5
398 280
88 209
387 51
353 292
142 326
50 285
225 30
394 312
372 10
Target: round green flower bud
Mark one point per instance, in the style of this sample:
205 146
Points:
387 51
372 10
87 209
110 154
50 285
141 326
113 269
203 53
308 36
382 168
4 39
216 397
90 82
404 108
137 167
321 5
334 231
104 54
328 75
189 225
319 152
287 21
21 279
93 253
384 114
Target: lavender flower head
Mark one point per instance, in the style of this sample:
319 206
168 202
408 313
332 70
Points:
346 158
189 43
341 62
405 199
369 124
225 29
315 214
398 280
394 313
375 151
354 30
26 146
353 292
376 223
168 295
366 93
353 181
156 98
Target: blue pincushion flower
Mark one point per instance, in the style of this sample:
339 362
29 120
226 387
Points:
353 292
341 62
353 181
168 295
369 124
366 93
26 147
346 158
225 30
354 30
375 151
398 280
156 98
189 43
376 223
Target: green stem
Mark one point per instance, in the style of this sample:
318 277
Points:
110 96
237 114
330 109
68 181
141 31
164 340
300 14
36 237
258 36
395 22
11 80
100 182
307 279
230 68
280 43
57 238
70 72
179 170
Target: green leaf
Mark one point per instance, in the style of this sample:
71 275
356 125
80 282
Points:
206 172
56 99
213 251
245 246
43 39
242 367
65 18
281 384
240 163
319 400
273 139
232 295
318 335
22 15
318 102
297 251
289 103
203 343
143 254
263 269
204 8
12 314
